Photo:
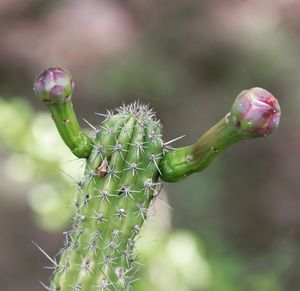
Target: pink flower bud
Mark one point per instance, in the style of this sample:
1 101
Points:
54 85
255 112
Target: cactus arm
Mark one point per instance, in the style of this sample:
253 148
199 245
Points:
179 163
254 113
54 87
67 125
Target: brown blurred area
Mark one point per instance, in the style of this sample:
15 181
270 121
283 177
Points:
188 59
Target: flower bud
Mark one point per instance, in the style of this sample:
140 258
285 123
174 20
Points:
54 85
255 112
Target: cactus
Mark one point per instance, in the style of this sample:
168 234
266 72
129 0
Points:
124 162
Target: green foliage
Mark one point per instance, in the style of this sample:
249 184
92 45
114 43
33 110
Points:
37 160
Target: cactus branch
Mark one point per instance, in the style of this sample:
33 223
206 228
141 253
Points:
67 124
254 113
54 87
179 163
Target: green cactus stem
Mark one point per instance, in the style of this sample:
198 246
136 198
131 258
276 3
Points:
120 178
254 113
54 87
124 163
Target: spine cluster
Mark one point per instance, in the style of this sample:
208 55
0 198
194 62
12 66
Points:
120 178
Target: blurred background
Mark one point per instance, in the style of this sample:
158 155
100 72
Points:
233 227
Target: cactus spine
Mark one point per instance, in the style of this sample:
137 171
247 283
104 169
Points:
124 162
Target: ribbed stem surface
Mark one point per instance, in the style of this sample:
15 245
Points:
120 179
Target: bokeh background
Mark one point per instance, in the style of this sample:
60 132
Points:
233 227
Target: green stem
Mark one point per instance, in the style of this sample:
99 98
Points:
179 163
67 124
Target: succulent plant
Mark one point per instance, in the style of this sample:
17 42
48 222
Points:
125 162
